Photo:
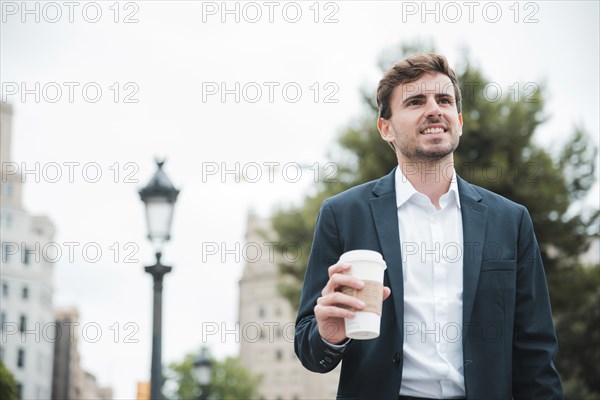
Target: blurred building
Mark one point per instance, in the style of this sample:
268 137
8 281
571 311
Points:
26 317
92 391
267 325
67 375
39 349
69 380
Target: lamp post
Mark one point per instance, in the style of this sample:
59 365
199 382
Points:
203 372
159 197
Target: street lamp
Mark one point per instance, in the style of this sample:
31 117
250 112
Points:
159 197
203 372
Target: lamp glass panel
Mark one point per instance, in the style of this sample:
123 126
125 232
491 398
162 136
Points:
159 214
202 373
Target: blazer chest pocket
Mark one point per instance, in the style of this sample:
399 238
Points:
498 276
504 265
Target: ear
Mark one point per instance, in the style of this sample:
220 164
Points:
385 130
460 120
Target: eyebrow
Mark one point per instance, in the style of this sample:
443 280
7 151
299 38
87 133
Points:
422 96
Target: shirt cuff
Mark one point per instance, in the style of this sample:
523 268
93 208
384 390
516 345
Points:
337 346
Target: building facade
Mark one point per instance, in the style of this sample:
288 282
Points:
26 317
69 380
266 323
67 375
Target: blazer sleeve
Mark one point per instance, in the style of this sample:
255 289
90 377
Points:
313 352
534 338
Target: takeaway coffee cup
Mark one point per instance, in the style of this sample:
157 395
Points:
367 266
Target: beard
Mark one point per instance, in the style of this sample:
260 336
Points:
414 148
436 153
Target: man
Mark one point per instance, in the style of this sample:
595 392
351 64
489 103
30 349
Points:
467 313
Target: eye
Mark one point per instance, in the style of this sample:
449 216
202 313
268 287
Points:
414 102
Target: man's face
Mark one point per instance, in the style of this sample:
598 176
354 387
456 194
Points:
425 125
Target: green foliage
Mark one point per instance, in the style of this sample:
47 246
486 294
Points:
496 151
8 385
576 290
228 381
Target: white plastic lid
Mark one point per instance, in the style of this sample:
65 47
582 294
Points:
367 255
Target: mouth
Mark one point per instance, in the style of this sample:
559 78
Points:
433 129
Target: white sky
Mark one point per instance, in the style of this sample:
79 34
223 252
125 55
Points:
168 54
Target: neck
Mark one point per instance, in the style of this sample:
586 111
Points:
432 178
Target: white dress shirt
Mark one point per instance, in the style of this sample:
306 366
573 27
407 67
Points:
431 242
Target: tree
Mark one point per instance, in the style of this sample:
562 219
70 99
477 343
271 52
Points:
577 318
228 380
497 152
8 385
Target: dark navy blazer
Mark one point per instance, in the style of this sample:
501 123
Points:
508 334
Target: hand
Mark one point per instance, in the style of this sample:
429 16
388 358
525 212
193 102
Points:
330 310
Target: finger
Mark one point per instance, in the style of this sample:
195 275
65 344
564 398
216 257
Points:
324 312
386 292
338 268
339 299
335 283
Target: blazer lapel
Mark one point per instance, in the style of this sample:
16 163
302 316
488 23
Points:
474 221
385 216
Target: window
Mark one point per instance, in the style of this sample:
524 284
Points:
278 355
2 320
5 289
22 323
25 256
262 312
25 292
2 354
21 358
19 390
5 253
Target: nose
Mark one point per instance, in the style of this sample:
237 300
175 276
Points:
433 108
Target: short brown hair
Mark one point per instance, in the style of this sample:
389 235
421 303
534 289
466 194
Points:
409 70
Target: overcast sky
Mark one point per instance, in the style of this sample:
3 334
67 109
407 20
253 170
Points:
119 84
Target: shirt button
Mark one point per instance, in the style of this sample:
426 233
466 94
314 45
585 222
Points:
397 359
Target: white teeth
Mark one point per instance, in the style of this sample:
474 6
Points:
433 130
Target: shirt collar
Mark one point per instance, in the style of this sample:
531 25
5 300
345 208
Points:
405 190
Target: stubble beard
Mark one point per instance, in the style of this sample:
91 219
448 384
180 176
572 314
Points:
414 152
430 156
